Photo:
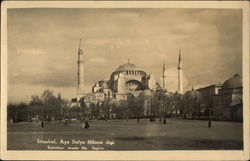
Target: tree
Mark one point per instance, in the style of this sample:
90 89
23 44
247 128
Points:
159 103
82 108
51 105
177 103
64 109
192 101
18 112
121 109
167 105
105 108
136 105
36 106
47 106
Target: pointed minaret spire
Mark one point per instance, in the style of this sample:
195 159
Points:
164 76
179 54
180 74
164 65
80 43
80 73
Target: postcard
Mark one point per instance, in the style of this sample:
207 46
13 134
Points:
125 80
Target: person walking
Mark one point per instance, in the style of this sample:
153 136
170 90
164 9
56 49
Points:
86 124
209 123
209 117
66 122
42 124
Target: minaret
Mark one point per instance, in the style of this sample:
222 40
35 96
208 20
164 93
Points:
80 73
180 74
164 76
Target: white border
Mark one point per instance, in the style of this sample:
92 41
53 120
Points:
125 155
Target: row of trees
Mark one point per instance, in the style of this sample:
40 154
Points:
159 104
44 107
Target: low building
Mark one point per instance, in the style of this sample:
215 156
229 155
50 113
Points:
231 99
225 101
210 96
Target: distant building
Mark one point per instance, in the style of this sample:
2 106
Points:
231 99
210 95
225 100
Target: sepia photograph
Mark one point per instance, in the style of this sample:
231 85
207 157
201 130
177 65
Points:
125 79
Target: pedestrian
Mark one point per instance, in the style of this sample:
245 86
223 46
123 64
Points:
160 119
86 124
209 123
164 120
65 123
42 124
138 119
151 119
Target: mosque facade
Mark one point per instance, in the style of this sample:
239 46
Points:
127 79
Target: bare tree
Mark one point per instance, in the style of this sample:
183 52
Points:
192 104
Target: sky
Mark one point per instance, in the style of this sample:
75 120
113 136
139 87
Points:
43 44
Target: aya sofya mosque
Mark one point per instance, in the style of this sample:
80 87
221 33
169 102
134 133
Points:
128 79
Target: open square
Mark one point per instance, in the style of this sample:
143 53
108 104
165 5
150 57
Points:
176 134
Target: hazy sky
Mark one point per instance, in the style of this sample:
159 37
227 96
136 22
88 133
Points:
43 44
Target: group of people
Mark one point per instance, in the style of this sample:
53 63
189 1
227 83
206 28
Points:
86 123
160 120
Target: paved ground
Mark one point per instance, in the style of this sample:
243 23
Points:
175 135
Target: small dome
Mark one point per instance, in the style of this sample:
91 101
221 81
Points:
234 82
127 66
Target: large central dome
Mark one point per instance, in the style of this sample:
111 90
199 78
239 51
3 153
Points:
127 66
129 69
234 82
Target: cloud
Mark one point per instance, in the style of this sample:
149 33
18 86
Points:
46 55
30 51
97 60
50 79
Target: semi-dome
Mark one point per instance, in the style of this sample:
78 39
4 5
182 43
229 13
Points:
233 82
127 66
